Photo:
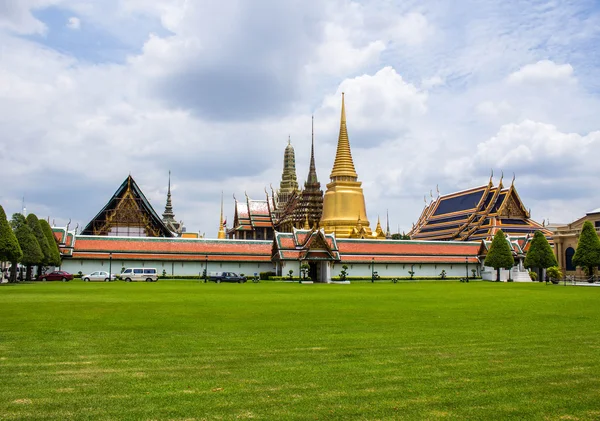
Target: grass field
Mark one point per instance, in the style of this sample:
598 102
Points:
184 350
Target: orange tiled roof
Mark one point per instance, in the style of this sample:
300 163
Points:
410 248
172 248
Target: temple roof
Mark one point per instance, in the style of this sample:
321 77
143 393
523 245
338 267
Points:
252 214
475 214
128 190
298 245
355 251
172 249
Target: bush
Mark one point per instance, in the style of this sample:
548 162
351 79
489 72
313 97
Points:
554 274
283 278
264 276
533 275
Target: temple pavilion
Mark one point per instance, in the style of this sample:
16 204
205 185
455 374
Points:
476 214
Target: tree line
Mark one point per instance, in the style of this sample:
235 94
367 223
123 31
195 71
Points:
540 255
28 241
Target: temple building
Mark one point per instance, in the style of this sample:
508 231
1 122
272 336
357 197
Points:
252 220
476 214
288 209
303 209
566 238
128 213
344 210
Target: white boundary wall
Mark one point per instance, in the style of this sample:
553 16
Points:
185 268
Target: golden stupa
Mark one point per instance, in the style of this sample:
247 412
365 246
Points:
344 211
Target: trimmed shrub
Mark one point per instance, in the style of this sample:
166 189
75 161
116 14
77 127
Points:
264 276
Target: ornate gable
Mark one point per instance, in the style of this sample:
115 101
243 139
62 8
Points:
127 213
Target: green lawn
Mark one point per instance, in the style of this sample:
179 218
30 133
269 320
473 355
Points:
183 350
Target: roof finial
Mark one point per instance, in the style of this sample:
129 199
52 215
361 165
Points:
492 176
437 187
289 140
513 180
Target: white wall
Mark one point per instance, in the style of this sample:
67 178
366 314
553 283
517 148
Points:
248 269
401 270
172 268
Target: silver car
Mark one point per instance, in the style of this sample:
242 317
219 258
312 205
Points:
99 275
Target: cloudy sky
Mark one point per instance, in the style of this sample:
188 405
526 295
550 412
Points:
438 93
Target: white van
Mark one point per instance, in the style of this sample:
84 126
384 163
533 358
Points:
139 274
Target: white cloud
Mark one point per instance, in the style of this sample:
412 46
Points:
544 71
493 109
410 29
432 82
530 142
17 16
338 55
74 23
382 104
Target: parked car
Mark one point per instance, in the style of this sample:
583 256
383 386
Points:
140 274
219 277
99 275
57 275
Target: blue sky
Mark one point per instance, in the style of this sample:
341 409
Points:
438 93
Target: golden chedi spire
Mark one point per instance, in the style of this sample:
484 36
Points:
221 235
344 203
343 165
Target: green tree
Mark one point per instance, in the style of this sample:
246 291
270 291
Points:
32 253
35 226
587 255
52 243
500 254
540 255
399 236
10 251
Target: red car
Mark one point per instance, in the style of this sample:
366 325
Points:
57 275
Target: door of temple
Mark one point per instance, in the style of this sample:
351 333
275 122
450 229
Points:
314 271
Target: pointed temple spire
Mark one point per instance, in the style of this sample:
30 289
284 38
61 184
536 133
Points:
168 213
388 234
312 171
221 235
343 165
289 180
